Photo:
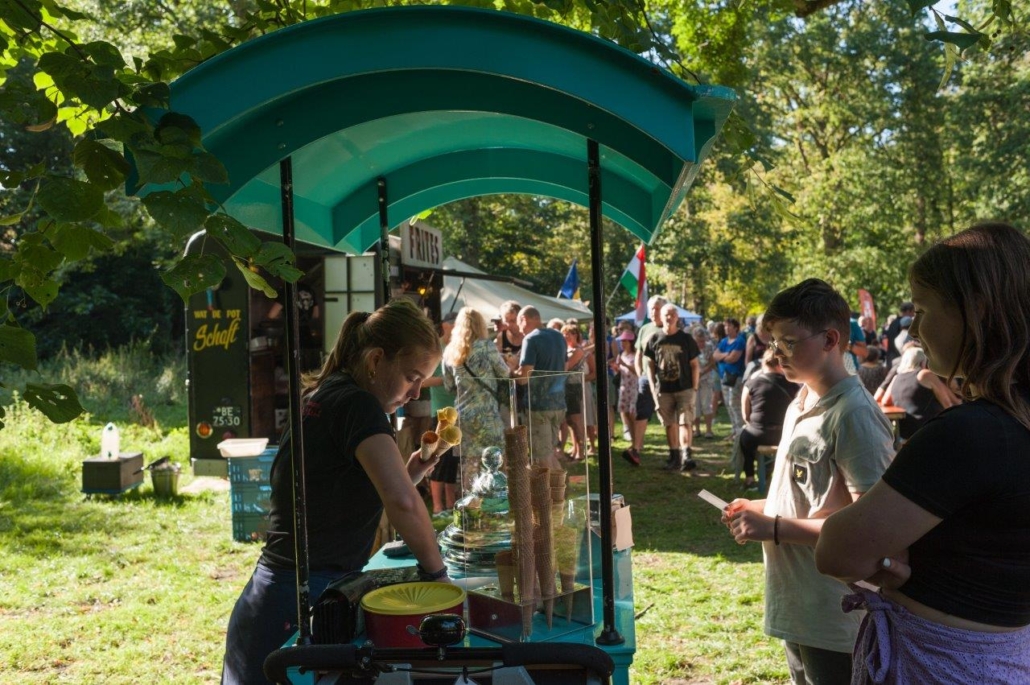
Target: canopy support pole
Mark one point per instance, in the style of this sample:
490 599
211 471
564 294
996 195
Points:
383 248
300 512
454 302
609 635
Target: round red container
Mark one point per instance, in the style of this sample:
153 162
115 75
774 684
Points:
390 610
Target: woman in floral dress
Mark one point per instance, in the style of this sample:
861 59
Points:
471 367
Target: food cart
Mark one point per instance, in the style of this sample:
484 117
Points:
236 343
333 129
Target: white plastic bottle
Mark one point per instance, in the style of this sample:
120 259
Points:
110 442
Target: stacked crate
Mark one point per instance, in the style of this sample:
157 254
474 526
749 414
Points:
251 495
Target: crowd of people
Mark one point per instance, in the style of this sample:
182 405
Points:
890 556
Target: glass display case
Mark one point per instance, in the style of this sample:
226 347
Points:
520 539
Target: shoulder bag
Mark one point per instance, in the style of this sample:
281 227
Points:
499 392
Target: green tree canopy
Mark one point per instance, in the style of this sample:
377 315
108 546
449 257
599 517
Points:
834 87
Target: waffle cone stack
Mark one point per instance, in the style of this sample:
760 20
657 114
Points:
516 456
567 540
557 482
540 482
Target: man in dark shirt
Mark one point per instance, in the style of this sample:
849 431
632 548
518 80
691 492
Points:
670 360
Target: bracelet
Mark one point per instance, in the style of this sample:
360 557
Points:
776 529
426 575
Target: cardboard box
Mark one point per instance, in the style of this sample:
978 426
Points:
622 529
112 476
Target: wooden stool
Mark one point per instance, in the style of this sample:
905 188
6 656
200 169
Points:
766 456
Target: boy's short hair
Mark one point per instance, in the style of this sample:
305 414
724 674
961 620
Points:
814 304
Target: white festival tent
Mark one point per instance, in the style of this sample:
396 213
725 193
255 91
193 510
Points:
686 316
486 296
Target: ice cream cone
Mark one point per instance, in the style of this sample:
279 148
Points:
506 574
448 416
427 448
449 437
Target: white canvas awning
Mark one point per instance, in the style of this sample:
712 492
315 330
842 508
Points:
487 296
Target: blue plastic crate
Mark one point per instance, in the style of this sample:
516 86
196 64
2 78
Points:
251 499
255 470
249 527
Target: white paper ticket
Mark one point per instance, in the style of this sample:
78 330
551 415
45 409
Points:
713 500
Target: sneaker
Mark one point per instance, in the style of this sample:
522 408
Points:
632 456
626 436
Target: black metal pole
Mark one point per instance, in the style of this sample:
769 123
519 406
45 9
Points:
300 512
609 635
383 249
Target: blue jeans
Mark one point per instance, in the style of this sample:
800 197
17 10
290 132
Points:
264 618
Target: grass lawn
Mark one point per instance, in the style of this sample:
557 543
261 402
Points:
135 588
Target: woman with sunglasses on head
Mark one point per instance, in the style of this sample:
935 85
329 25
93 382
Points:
946 532
353 472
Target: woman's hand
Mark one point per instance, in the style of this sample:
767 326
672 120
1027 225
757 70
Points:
893 572
417 469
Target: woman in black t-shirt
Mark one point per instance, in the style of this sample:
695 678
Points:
917 390
765 399
946 532
353 472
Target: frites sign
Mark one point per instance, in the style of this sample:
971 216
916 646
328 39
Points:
421 245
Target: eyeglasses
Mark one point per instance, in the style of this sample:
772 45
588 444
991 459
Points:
786 347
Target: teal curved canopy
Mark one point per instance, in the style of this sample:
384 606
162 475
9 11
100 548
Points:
445 103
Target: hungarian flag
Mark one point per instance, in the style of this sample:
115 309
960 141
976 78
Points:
634 280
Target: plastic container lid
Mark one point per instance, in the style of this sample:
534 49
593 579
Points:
242 447
413 598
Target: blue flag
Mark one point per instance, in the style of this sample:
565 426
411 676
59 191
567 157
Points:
570 288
